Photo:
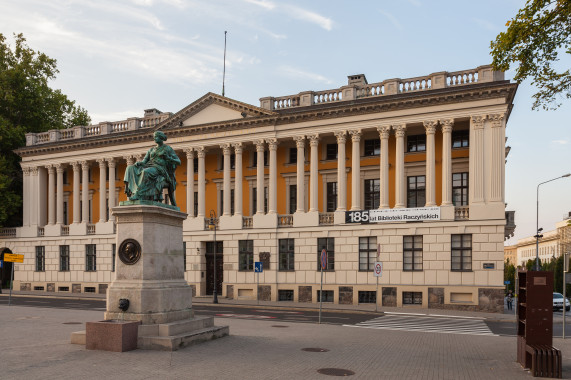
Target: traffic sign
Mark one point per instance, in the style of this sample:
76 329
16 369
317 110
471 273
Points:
324 259
13 258
378 269
507 282
258 267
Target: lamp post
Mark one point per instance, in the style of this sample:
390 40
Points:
212 226
537 236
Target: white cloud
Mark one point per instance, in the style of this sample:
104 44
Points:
392 19
262 3
304 75
312 17
560 142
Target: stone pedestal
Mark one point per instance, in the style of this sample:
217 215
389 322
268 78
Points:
117 336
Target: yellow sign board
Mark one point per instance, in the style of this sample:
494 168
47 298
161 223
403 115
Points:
13 258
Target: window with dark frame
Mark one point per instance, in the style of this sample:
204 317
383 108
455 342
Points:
412 298
367 253
416 143
246 255
113 256
195 203
255 158
90 258
255 200
372 194
286 254
412 253
195 160
232 161
285 295
64 258
416 191
461 139
461 255
292 155
331 151
65 213
328 295
65 178
460 189
329 245
40 258
292 198
331 196
220 212
372 147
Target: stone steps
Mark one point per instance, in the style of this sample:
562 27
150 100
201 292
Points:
175 342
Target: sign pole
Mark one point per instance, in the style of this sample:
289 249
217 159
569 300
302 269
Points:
321 295
11 285
258 289
377 296
565 268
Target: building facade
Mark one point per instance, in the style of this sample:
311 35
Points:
285 181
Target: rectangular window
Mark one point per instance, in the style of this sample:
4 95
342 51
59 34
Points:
292 155
460 189
184 256
246 255
90 258
285 295
65 213
461 252
286 254
329 245
255 159
367 296
331 196
255 200
195 203
292 198
221 211
40 258
416 191
232 161
412 298
367 253
89 216
113 256
412 253
64 258
195 160
461 139
372 147
327 295
65 178
416 143
372 194
331 152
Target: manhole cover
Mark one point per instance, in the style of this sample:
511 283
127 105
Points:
335 372
282 326
315 349
71 323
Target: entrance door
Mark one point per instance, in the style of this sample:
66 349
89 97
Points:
5 271
210 267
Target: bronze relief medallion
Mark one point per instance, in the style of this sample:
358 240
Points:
129 251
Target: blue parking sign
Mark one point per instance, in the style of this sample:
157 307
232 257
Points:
258 267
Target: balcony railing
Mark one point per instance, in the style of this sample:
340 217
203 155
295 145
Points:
7 232
91 229
462 213
285 220
247 222
326 218
64 230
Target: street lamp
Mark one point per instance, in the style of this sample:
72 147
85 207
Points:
212 226
538 233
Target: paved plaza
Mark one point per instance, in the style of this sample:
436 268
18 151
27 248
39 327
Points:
36 346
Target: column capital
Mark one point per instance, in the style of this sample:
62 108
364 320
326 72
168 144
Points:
189 153
478 121
111 162
200 152
259 145
496 119
447 125
34 170
84 165
60 167
384 131
272 143
299 141
51 169
355 135
313 139
138 156
101 162
400 129
225 148
26 170
341 136
238 148
129 160
76 166
430 126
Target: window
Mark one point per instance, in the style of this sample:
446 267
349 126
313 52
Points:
292 155
367 253
460 189
195 160
184 256
329 245
372 194
255 200
255 159
416 143
285 295
331 152
412 253
461 252
372 147
90 258
195 203
327 295
65 178
65 213
286 254
64 258
113 255
221 211
367 296
90 216
460 139
107 207
412 298
232 161
245 255
416 191
331 196
292 198
40 258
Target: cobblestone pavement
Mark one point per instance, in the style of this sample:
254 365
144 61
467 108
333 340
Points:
35 345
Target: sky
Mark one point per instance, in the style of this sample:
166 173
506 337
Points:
117 58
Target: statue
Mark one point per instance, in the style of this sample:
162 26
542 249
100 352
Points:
146 179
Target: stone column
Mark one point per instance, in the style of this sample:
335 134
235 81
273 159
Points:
313 173
102 190
430 127
112 164
85 192
59 197
189 182
355 170
300 183
400 180
201 153
498 158
260 177
51 194
384 166
447 161
238 180
34 195
341 172
476 176
76 192
273 201
26 196
226 184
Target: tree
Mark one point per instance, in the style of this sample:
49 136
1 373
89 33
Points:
509 274
27 104
533 40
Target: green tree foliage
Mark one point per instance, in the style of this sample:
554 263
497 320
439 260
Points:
27 104
533 40
509 274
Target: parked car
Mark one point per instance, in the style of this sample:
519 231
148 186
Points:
558 302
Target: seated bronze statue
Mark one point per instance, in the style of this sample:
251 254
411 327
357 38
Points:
146 179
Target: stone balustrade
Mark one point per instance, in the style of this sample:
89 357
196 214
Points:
7 232
462 213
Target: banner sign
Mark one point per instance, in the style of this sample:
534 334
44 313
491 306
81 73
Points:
416 214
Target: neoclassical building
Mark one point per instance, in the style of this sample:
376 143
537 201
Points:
407 172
